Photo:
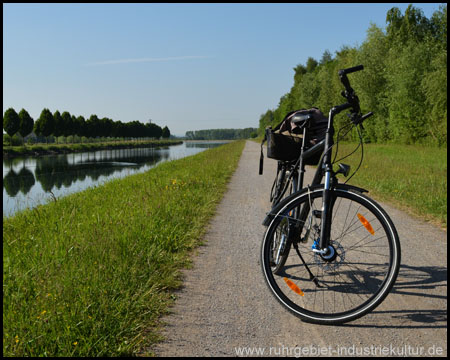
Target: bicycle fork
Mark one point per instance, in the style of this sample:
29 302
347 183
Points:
323 245
325 227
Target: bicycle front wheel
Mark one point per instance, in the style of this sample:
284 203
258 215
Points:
355 275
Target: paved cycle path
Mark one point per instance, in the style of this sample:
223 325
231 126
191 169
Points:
226 309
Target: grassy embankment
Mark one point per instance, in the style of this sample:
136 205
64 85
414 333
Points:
44 149
410 177
91 273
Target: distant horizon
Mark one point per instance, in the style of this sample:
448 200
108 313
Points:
186 66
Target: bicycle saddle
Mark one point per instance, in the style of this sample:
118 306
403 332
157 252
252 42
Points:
301 119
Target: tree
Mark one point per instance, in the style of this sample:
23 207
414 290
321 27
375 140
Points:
265 120
58 126
404 81
106 127
326 57
371 87
11 122
81 126
45 124
67 123
439 26
154 131
93 126
74 128
117 129
300 69
134 129
435 88
26 123
412 25
411 51
165 132
311 64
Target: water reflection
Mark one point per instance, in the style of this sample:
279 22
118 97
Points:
55 171
26 181
22 181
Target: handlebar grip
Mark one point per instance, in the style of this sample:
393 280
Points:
350 70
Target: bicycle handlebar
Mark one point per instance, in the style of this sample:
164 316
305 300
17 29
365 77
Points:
350 70
349 93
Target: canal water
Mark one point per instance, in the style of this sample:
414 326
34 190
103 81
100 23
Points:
30 181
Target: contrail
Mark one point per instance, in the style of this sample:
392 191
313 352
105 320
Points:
124 61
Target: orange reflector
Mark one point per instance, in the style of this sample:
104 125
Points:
366 224
293 287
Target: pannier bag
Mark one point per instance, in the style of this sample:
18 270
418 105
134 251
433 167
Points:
285 141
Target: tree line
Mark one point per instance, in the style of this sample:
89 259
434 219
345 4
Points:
404 81
65 124
221 134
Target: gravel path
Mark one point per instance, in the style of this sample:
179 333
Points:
226 309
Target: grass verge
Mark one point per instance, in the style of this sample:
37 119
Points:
411 177
91 273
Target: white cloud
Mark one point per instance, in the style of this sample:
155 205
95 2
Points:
125 61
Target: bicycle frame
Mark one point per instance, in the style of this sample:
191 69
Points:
325 167
324 170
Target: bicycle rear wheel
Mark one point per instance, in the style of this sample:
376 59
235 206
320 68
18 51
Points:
353 277
280 246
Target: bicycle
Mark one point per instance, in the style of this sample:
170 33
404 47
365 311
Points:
351 250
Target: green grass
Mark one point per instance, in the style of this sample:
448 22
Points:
91 273
411 177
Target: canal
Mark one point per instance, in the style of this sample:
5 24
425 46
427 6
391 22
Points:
30 181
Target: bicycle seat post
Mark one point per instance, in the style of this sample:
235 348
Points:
302 164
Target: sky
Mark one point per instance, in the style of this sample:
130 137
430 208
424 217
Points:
185 66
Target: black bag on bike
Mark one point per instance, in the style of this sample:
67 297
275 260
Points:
283 145
285 141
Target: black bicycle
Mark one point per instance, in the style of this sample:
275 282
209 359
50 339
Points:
330 254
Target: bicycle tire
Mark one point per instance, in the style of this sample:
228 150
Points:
278 185
281 254
359 274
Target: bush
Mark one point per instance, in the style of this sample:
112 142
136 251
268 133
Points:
16 141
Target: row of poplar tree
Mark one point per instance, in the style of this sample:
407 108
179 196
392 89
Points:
404 81
65 124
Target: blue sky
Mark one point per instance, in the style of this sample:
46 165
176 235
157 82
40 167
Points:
187 66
